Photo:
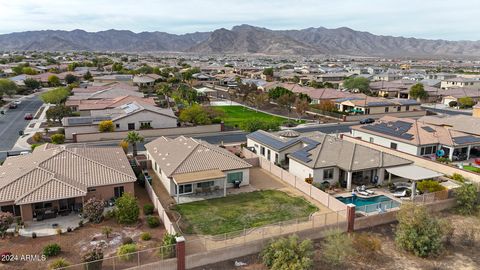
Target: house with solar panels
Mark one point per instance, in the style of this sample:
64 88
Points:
324 158
419 138
373 105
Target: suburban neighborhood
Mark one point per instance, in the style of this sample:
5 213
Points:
243 147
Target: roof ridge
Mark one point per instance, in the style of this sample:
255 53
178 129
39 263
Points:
52 175
320 149
53 178
186 157
353 156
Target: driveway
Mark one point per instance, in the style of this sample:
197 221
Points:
12 122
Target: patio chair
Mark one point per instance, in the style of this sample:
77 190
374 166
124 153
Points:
400 194
364 188
363 193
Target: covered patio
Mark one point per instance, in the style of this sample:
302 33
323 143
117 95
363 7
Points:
414 173
190 187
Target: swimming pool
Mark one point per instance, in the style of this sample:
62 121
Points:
371 204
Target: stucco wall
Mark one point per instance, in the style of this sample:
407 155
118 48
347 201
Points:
156 121
107 192
401 146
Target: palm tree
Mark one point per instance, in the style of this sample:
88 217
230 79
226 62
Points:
133 138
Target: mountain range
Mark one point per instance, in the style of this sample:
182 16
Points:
242 39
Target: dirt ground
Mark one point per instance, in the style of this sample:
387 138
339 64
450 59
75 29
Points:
457 255
75 243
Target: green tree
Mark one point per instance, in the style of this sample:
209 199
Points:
32 83
7 87
58 112
465 102
55 96
418 232
268 71
88 76
70 78
132 139
289 253
417 91
29 71
127 209
467 198
53 80
286 101
195 114
278 91
360 83
106 126
57 138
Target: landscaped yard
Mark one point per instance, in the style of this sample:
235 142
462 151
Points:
245 210
236 115
472 168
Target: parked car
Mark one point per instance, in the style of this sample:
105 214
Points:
12 106
17 102
367 121
28 116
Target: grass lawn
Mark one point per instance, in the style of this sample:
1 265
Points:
472 168
245 210
236 115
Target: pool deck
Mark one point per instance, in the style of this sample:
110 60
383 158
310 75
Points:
378 192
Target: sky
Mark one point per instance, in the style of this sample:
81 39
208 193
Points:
431 19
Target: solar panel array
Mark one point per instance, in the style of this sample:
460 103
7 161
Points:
270 141
86 120
428 129
396 129
303 154
466 139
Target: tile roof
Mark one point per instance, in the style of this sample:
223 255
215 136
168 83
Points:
464 123
55 172
187 155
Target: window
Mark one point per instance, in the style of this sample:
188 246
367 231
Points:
428 150
262 150
236 176
205 184
367 111
118 191
393 145
327 174
399 108
117 125
131 126
276 157
156 166
145 125
184 189
371 139
386 109
268 154
407 108
91 189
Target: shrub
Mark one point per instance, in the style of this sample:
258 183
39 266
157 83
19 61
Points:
337 248
93 210
167 249
127 240
107 230
418 232
59 263
93 259
367 245
35 145
467 199
252 125
125 252
148 209
106 126
6 219
288 253
110 214
51 250
124 145
57 138
443 160
429 186
153 221
145 236
452 103
458 177
127 209
37 137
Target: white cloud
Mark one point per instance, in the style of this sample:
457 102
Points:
428 18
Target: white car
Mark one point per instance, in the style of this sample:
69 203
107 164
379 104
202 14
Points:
17 102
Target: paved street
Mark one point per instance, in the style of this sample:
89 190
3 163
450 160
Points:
12 122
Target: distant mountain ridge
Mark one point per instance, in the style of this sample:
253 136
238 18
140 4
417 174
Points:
242 39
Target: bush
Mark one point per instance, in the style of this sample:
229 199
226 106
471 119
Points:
367 245
58 263
106 126
110 214
153 221
252 125
37 137
148 209
127 240
429 186
418 232
57 138
288 253
51 250
145 236
452 103
458 177
167 249
125 252
107 230
93 259
35 145
337 248
467 199
127 209
443 160
93 210
6 219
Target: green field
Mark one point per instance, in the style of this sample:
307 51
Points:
242 211
472 168
234 116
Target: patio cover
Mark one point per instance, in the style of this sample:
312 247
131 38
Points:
413 172
199 176
204 90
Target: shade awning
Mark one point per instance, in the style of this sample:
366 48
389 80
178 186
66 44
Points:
199 176
414 172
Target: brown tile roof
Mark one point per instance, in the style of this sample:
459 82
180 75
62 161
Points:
55 172
183 178
187 155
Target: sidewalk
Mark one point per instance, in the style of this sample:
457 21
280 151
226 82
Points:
22 143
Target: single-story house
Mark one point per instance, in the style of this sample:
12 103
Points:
85 106
374 105
56 180
417 138
325 158
188 167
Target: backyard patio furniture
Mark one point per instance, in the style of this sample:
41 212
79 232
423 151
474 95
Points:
363 193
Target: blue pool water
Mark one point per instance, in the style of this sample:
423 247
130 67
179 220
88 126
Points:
370 204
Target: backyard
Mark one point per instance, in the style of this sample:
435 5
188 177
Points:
242 211
234 116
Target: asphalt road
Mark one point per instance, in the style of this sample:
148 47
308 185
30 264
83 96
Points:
448 112
240 136
12 122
